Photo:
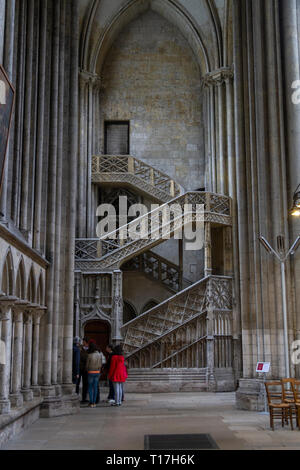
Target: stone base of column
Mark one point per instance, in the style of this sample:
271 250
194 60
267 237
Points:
66 405
4 407
16 400
58 391
48 391
250 395
211 382
27 394
68 389
36 390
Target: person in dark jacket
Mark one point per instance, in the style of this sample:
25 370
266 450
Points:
76 360
118 374
110 352
83 373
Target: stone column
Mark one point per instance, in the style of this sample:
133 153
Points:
215 82
6 332
40 129
10 8
82 174
77 304
16 397
210 340
67 386
26 389
210 344
117 305
36 319
290 17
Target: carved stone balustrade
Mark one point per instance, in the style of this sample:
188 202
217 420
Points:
126 170
113 249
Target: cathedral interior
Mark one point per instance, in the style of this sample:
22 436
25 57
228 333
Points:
161 104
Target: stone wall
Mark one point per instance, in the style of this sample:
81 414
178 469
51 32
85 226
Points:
151 78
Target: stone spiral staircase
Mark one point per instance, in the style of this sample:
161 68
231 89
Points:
186 342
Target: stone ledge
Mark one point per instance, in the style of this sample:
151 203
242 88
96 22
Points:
19 419
59 406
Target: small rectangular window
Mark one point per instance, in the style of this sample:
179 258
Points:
116 140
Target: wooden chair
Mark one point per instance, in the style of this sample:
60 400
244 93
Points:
296 390
288 395
277 407
288 390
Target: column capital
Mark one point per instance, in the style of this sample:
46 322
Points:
17 315
89 78
217 77
7 301
38 314
5 313
27 317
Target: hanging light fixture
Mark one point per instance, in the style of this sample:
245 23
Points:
296 203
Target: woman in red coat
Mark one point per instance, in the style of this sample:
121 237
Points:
118 374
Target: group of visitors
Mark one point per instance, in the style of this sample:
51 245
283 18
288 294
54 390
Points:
90 366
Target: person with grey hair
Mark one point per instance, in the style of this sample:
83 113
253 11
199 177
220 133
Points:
76 359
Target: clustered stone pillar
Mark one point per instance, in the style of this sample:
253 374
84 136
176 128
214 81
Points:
219 120
90 87
20 335
290 17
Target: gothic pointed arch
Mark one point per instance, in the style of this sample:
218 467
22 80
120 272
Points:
40 296
31 287
21 280
205 41
8 278
129 311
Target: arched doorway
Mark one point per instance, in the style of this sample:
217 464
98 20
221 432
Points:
99 331
129 312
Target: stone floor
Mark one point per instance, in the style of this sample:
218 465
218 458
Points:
124 428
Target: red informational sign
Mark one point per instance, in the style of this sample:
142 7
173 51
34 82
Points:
263 367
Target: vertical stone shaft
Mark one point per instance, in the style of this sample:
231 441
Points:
239 45
27 156
37 242
10 8
59 199
52 172
35 353
6 332
290 17
26 389
82 174
17 358
70 255
222 183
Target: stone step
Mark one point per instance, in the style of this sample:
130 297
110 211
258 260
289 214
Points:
166 380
